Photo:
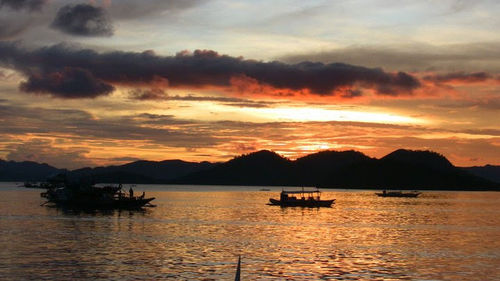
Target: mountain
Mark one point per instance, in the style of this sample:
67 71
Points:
408 169
430 159
268 168
401 169
141 171
26 171
259 168
318 169
489 172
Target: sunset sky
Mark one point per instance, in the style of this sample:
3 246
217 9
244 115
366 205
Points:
87 83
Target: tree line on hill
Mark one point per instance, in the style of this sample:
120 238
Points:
401 169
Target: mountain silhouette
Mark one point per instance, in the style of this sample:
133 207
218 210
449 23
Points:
425 158
318 168
401 169
26 171
259 168
408 169
490 172
140 171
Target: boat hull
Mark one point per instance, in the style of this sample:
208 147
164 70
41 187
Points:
302 203
127 203
390 194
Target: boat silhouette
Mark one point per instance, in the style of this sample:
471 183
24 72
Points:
95 197
301 198
398 193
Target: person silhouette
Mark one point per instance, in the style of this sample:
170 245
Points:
131 192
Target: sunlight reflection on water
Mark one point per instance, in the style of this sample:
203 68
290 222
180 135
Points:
195 234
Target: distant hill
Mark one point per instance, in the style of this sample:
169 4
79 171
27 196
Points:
489 172
429 159
26 171
321 168
401 169
141 171
407 169
259 168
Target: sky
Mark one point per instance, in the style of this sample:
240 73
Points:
106 82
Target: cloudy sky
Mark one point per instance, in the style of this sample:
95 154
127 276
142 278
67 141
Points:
86 83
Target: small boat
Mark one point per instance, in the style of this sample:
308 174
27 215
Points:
301 198
398 193
42 185
264 189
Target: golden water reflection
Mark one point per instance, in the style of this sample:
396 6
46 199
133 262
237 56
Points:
196 235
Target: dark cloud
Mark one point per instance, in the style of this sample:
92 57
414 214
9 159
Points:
323 79
149 94
67 83
155 116
81 125
237 102
206 98
473 57
30 5
484 103
14 24
133 9
83 20
125 159
201 69
158 94
489 132
459 77
9 29
248 104
43 151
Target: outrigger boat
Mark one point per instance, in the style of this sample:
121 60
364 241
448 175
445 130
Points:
301 198
94 197
398 193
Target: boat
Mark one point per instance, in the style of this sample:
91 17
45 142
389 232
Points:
95 197
264 189
41 185
301 198
398 193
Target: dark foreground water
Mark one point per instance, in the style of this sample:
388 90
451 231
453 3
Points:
196 233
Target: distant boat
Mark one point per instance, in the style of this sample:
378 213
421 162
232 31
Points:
398 193
41 185
264 189
301 198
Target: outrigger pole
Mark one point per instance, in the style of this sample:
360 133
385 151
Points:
237 277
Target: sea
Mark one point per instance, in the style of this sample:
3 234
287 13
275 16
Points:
198 233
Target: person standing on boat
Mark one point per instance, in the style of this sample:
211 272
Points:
131 192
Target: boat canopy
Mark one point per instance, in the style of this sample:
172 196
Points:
300 191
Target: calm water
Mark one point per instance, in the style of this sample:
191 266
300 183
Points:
196 233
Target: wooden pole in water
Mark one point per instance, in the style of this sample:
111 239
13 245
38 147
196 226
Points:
237 277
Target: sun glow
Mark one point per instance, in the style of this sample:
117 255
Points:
305 114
